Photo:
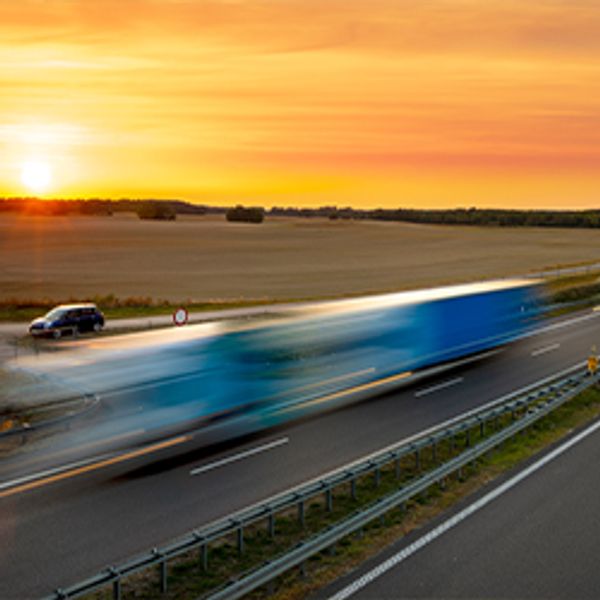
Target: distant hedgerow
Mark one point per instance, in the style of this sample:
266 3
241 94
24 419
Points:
160 211
242 214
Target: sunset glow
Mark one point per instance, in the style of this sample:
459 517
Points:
348 102
36 175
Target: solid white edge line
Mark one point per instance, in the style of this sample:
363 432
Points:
229 459
545 349
403 554
439 386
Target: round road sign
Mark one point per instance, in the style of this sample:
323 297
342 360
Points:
180 317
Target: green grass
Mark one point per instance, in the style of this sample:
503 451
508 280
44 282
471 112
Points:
559 284
572 293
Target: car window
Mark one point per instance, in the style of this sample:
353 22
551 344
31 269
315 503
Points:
55 313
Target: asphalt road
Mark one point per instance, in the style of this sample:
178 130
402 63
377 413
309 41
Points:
63 531
536 539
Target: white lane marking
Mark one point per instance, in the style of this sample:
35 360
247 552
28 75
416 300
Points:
439 386
545 349
397 558
240 456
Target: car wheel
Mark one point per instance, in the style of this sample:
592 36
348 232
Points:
56 334
97 327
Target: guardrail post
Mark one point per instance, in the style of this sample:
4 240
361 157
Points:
240 539
117 589
329 499
163 571
468 438
204 557
434 453
303 570
482 428
301 513
398 469
163 577
377 477
417 461
116 586
353 489
271 524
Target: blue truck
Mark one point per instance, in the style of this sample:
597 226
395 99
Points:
221 380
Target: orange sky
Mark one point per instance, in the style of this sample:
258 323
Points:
427 103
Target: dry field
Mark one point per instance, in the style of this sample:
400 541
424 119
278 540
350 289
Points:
208 259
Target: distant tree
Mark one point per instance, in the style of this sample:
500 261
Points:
242 214
159 211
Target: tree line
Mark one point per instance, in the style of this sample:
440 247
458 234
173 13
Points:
169 209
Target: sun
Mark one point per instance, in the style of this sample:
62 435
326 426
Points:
36 175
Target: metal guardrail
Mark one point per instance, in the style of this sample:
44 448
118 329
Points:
303 551
524 407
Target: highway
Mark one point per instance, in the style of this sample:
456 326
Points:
532 534
62 529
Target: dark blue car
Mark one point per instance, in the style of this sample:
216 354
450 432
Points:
68 318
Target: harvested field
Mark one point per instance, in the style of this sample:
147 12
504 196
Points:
208 259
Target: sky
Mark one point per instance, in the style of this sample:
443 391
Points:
368 103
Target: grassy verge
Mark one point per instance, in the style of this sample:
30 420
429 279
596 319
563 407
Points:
188 579
566 290
115 308
352 552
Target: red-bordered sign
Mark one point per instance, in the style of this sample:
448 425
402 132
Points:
180 317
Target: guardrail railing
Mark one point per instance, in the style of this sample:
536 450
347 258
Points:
305 550
520 409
